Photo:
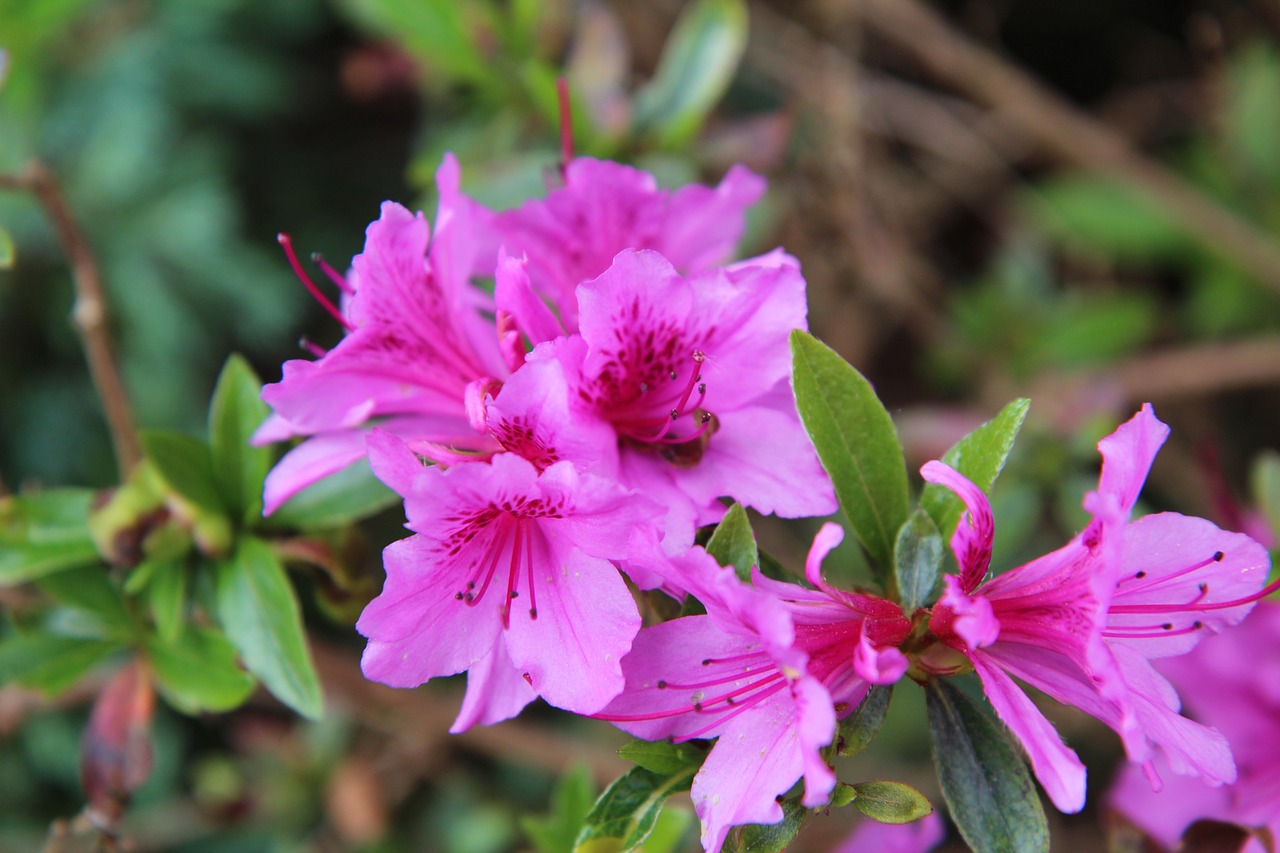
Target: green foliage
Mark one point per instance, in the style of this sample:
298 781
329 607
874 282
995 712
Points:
1102 214
856 731
856 442
8 253
51 662
43 533
571 802
239 469
917 560
198 671
627 812
342 498
1265 481
734 543
90 591
1253 111
890 802
185 465
769 838
984 780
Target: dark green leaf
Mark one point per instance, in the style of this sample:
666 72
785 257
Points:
185 465
43 533
734 543
697 64
347 496
570 803
856 442
89 589
259 611
917 559
980 456
626 812
984 780
890 802
236 412
48 662
662 757
769 838
198 672
856 731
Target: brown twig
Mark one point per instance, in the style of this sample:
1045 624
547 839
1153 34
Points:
1066 132
89 315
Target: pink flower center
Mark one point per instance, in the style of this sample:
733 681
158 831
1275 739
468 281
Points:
510 547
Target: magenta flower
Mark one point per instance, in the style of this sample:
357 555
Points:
420 354
693 377
919 836
1081 623
510 577
573 235
1233 683
767 671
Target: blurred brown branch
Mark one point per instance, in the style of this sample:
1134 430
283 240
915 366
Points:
89 316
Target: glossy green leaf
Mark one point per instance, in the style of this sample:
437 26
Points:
235 413
734 543
199 671
856 442
984 780
345 497
1265 482
890 802
627 811
663 757
980 456
185 464
917 560
769 838
856 731
90 590
571 801
49 662
259 610
697 65
43 533
7 252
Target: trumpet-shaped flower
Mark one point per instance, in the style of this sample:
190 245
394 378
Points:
510 576
768 671
1081 623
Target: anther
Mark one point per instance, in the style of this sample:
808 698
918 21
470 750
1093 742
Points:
458 596
533 613
1140 575
1217 556
515 593
1168 626
706 661
674 376
469 597
662 685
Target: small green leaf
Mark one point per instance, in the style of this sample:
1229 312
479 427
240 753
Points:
1265 481
8 253
185 465
90 590
236 412
43 533
668 832
570 803
342 498
842 795
1107 215
890 802
856 731
259 611
434 31
167 595
734 543
697 65
626 812
662 757
856 442
48 662
984 780
198 671
980 456
917 559
769 838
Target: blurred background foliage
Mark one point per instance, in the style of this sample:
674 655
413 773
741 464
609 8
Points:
958 251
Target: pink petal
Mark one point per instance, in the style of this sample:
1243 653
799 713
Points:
495 692
824 541
816 724
972 539
919 836
308 463
514 294
1127 455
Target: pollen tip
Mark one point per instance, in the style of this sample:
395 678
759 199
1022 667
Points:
1217 556
317 258
1140 575
282 238
662 685
528 678
533 613
1197 624
1168 626
706 661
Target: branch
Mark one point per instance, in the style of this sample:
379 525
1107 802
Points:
1068 133
89 315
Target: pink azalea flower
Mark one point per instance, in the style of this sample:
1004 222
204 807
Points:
1081 623
510 577
1231 681
919 836
420 354
573 235
693 377
768 671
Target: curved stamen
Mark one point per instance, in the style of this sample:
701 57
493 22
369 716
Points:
1194 607
1162 579
738 709
1154 632
319 297
334 276
312 347
512 574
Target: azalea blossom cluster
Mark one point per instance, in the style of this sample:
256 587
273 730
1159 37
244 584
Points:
587 380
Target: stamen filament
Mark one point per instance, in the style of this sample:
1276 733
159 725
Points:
319 297
1193 607
334 276
738 709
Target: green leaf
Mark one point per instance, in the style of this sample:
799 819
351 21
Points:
856 731
697 65
917 559
434 31
980 456
259 611
185 465
769 838
570 803
626 812
734 543
668 832
1265 481
1253 110
342 498
7 252
48 662
856 442
167 595
1106 215
43 533
984 780
662 757
890 802
198 671
89 589
236 412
